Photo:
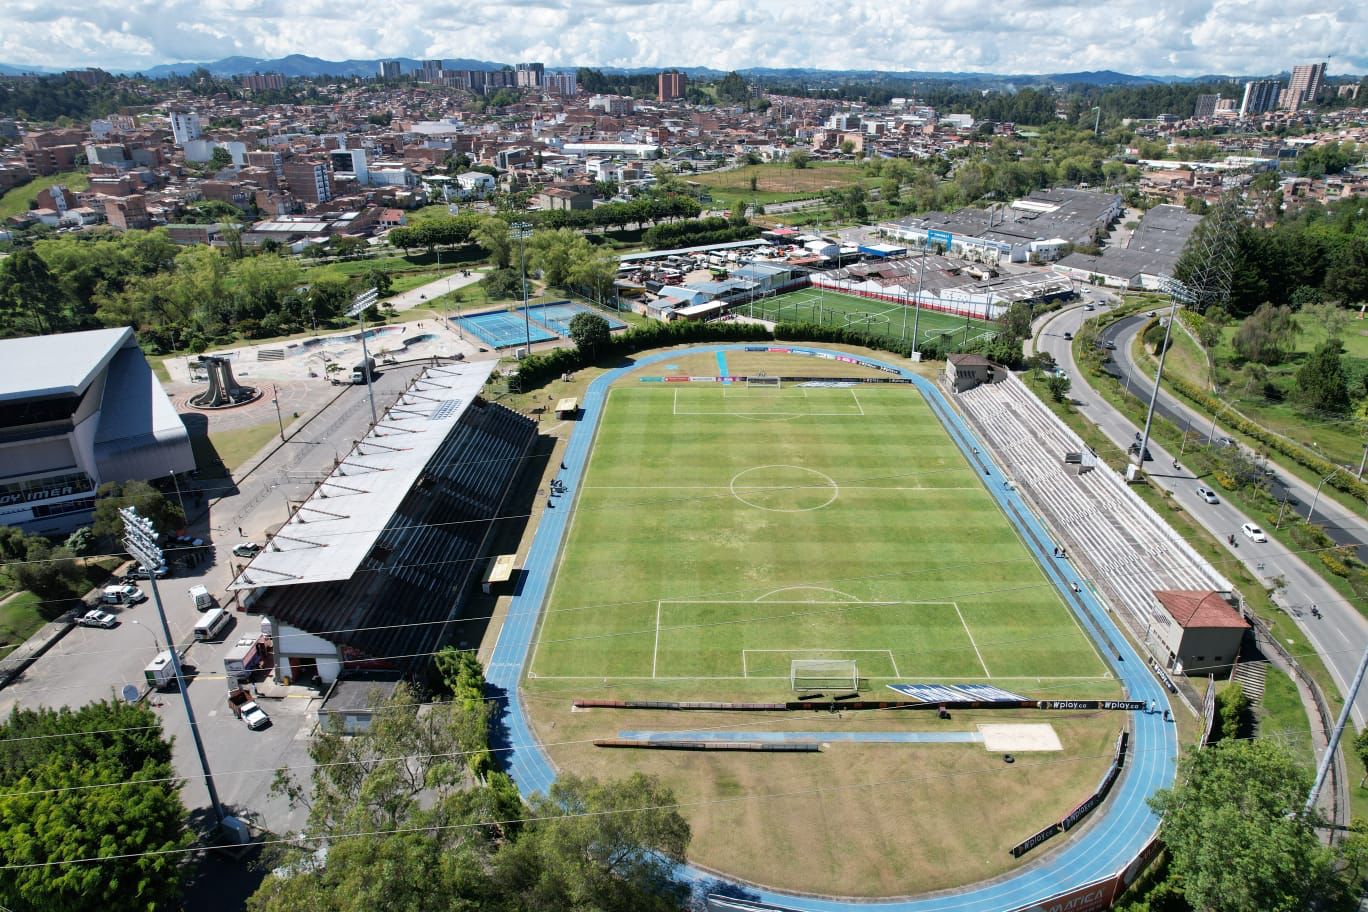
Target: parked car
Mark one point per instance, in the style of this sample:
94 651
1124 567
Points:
96 618
125 594
1208 495
1253 533
1225 441
139 572
254 715
246 549
190 541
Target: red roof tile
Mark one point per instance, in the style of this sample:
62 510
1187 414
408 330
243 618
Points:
1199 608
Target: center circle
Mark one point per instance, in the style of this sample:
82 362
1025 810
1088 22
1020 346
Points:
784 488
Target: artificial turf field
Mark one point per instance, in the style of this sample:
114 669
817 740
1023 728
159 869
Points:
883 318
722 531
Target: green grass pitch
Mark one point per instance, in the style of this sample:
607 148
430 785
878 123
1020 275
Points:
723 531
884 318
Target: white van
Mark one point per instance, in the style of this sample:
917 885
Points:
212 624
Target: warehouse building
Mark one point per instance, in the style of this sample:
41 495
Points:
1147 259
77 410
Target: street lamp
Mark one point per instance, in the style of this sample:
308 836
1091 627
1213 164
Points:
156 644
365 299
520 233
140 539
1310 512
275 400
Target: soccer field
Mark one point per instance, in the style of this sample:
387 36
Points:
882 318
724 531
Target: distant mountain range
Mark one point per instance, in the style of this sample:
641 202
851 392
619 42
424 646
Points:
304 65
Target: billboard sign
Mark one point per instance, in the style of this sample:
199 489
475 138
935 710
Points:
935 236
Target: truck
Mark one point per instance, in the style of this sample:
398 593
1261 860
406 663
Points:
364 370
201 598
161 673
244 657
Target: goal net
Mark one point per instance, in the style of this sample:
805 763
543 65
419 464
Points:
772 382
823 674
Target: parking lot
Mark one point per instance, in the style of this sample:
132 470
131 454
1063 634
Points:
92 663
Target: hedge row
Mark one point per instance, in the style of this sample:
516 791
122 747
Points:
1341 480
538 369
697 232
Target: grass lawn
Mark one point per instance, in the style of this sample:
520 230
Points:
722 532
19 617
235 447
778 183
883 318
16 200
1282 718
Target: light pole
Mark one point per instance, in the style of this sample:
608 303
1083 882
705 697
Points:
1287 495
520 231
1329 756
916 305
156 644
1176 291
1364 460
141 541
1314 500
275 400
365 299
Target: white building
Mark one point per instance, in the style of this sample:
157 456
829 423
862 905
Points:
185 127
475 184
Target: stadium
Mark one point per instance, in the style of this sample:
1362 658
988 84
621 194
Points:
788 581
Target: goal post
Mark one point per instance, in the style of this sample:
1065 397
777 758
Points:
770 382
823 674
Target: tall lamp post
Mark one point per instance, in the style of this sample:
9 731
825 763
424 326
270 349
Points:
521 231
1177 291
275 400
362 301
1315 500
141 541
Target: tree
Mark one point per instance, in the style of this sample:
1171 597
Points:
29 294
1266 335
1347 277
1234 718
1361 751
1237 837
1321 382
492 234
90 782
165 515
1058 387
800 159
588 331
609 847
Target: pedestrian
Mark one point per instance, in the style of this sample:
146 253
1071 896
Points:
1154 707
1056 551
241 534
1074 587
1168 716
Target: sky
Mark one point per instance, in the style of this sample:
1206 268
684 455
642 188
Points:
1158 37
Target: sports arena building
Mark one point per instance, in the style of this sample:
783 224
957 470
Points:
77 410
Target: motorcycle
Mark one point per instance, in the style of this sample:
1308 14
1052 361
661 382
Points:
1315 612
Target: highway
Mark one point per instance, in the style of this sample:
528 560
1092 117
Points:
1341 634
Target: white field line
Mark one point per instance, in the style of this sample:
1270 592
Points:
655 652
971 640
888 652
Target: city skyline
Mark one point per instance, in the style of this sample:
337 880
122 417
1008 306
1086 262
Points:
1169 38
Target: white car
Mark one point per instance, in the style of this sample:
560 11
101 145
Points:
254 716
126 594
1253 533
246 549
1208 495
97 618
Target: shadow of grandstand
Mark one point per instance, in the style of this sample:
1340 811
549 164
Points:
214 479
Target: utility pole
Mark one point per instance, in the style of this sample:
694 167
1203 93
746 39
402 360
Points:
520 231
362 301
141 541
1328 757
1176 291
921 278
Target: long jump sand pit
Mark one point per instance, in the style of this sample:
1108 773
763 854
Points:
1025 736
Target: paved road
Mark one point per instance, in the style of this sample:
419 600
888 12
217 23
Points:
90 664
1340 636
1339 522
424 294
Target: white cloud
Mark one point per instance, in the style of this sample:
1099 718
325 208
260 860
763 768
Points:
1178 37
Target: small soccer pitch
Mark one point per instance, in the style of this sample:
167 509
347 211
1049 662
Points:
723 532
890 319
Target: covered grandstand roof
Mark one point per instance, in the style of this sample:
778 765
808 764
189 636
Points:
336 528
63 364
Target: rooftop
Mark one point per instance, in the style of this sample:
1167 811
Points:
332 532
55 365
1199 608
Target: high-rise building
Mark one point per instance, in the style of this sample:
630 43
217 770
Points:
1305 85
670 85
350 164
432 71
185 127
261 82
1260 97
390 69
1206 105
530 75
309 181
562 84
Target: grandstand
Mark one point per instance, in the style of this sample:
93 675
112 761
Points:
375 566
1132 550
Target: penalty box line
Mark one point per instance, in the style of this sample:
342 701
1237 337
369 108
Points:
858 413
661 603
745 669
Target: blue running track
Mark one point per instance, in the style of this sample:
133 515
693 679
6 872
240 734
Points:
1119 830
